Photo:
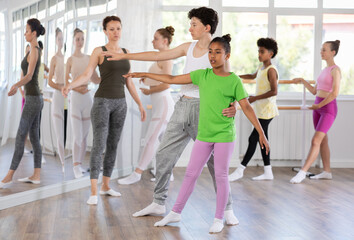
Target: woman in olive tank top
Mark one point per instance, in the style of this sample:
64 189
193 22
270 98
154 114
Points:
109 106
29 122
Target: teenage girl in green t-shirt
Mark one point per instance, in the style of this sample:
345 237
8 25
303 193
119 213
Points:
218 88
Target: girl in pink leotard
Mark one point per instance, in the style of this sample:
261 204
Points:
325 111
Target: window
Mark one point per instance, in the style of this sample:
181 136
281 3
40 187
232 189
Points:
52 4
242 3
296 4
69 10
69 33
295 37
41 9
96 32
25 15
180 22
112 4
338 3
2 50
51 39
187 2
81 8
33 11
61 5
97 6
245 29
340 26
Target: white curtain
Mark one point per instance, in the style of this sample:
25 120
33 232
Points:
140 20
10 107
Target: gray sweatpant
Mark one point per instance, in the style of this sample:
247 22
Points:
107 117
29 123
182 127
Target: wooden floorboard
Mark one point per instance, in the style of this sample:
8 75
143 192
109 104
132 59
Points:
266 210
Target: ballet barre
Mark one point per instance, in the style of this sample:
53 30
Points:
248 81
290 107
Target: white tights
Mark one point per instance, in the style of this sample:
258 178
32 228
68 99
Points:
80 107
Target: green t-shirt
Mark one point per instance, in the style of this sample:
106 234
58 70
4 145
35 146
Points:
216 94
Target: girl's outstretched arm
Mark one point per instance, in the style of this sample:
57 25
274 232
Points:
312 89
248 110
179 79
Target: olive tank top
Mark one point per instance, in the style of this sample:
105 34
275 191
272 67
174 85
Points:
112 81
32 87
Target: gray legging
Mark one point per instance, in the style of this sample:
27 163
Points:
182 127
29 123
107 117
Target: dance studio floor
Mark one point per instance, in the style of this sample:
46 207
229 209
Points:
266 210
51 169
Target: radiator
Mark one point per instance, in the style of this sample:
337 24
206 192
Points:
285 133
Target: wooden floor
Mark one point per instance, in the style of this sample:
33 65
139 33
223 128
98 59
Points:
51 170
266 210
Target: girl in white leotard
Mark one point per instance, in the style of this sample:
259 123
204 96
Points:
80 101
56 71
162 105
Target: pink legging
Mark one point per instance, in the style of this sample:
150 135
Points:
200 155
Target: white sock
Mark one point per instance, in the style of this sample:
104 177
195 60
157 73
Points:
301 175
230 217
322 175
217 226
267 175
169 218
3 184
153 208
237 174
92 200
111 192
77 171
132 178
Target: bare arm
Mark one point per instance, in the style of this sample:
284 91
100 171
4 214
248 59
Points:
179 79
336 74
95 78
68 70
135 96
46 68
85 77
166 67
273 80
248 110
51 83
20 88
248 76
312 89
170 54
